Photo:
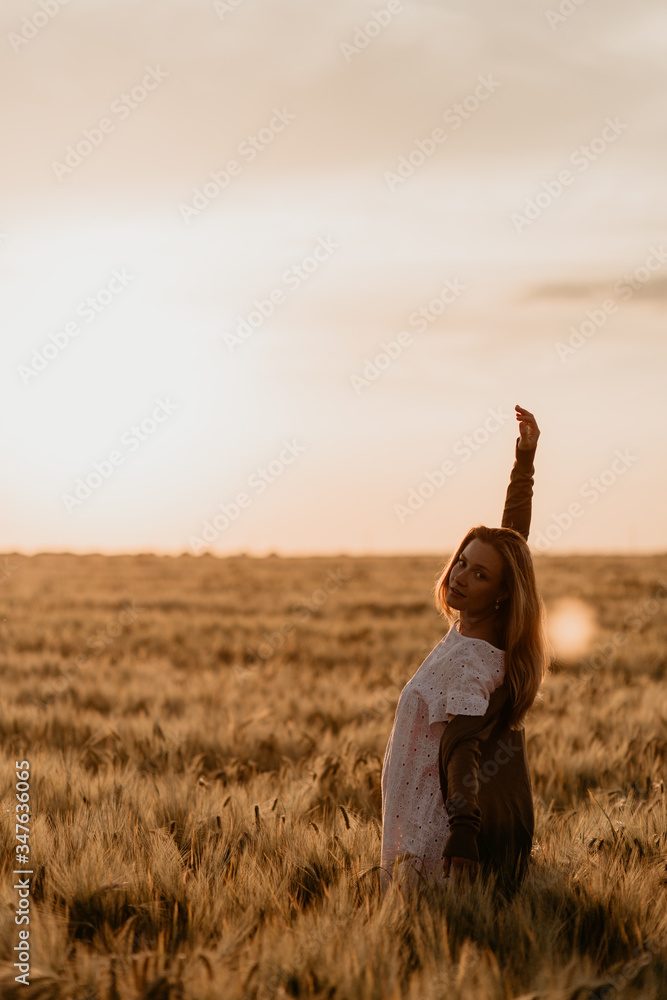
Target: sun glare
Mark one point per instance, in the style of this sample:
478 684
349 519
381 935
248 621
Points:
571 625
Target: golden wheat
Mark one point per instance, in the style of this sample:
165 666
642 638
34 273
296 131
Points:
205 739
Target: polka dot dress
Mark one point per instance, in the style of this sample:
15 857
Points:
458 677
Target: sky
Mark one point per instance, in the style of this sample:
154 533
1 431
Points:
275 275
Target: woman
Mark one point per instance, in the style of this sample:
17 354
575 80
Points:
456 790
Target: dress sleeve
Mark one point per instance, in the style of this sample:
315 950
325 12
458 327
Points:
518 500
474 679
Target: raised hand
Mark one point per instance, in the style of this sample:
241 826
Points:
528 429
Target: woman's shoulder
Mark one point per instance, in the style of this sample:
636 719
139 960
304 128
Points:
477 651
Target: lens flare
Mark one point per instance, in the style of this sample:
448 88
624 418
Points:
571 625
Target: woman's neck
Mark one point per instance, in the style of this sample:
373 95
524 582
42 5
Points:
488 629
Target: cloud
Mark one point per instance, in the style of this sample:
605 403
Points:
655 289
324 174
225 76
568 290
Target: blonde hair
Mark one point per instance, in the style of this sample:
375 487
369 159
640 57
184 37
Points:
521 616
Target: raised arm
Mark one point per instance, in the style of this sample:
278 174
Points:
518 500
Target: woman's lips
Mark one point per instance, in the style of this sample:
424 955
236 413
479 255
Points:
457 593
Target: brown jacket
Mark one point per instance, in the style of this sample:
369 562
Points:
484 773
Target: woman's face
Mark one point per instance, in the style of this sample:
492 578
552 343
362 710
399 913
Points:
475 580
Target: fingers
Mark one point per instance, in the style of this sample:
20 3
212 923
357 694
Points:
460 869
528 429
523 414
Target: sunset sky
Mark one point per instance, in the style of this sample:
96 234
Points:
484 181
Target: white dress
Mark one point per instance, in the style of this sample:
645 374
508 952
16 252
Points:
458 677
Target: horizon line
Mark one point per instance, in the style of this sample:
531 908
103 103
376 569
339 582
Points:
320 554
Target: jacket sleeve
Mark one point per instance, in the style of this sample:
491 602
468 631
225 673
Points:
458 764
461 803
518 500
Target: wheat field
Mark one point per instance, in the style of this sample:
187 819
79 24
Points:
204 740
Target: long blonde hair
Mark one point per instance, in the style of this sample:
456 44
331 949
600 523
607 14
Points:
521 616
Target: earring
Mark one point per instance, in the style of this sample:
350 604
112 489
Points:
497 605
